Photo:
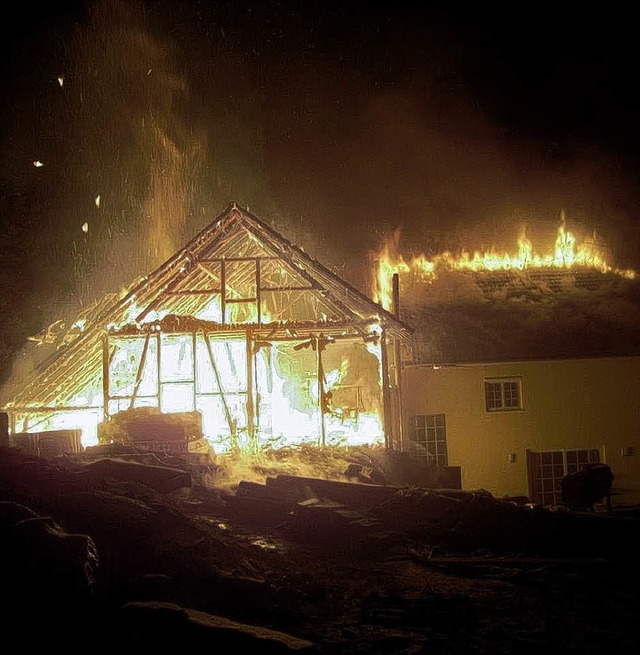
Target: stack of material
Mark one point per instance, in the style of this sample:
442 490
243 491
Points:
147 427
324 512
49 443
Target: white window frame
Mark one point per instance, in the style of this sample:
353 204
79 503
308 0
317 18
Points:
433 447
550 480
505 384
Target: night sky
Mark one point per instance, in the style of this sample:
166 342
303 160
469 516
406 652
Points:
336 123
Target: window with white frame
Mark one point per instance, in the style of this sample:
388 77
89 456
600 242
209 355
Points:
547 468
430 438
502 394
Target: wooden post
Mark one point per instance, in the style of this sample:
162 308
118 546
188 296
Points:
143 359
323 427
386 400
106 360
223 290
159 366
250 390
4 429
194 347
397 356
227 412
258 294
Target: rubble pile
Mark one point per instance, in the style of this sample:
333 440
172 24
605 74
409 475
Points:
146 550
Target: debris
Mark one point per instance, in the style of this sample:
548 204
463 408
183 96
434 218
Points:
356 495
41 563
425 569
331 524
588 486
159 625
48 443
498 566
149 429
160 478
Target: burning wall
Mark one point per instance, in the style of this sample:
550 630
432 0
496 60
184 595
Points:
270 346
290 382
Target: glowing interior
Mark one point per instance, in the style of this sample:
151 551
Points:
239 326
183 373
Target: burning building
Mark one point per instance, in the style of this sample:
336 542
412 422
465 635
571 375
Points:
517 371
525 367
268 346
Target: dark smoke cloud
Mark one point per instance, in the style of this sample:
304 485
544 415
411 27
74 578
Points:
335 122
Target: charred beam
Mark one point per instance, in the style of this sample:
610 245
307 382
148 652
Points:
227 412
143 360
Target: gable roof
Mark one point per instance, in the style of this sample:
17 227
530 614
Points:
267 281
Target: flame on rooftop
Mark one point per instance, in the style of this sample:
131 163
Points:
565 253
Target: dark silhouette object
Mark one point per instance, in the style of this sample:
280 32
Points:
4 429
584 488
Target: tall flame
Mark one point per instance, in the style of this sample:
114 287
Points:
567 253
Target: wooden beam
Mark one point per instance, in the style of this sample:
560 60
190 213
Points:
321 394
207 272
386 401
49 410
238 259
227 411
223 292
258 292
290 288
399 393
106 361
250 389
159 366
143 359
193 292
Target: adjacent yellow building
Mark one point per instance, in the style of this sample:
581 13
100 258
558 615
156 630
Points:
516 428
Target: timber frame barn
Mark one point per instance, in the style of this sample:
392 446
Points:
267 344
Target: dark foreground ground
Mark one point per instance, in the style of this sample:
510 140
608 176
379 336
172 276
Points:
143 552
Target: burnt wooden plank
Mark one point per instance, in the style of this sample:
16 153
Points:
349 493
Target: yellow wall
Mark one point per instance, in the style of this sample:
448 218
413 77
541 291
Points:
567 404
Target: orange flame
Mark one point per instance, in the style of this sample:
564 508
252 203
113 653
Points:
567 253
